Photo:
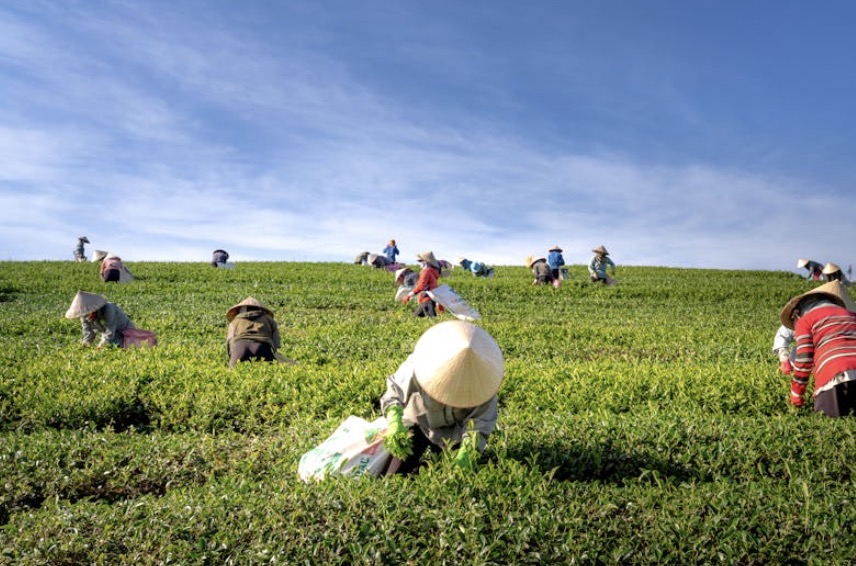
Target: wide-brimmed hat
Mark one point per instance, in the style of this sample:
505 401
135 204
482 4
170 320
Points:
248 302
428 257
84 239
830 268
85 303
532 260
555 249
98 255
600 250
458 364
834 291
802 262
399 273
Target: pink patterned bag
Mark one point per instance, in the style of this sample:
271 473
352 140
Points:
139 337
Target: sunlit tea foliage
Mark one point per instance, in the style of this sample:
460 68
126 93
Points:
640 423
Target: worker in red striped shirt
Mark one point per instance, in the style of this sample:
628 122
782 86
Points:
824 324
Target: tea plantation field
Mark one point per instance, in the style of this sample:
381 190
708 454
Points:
640 423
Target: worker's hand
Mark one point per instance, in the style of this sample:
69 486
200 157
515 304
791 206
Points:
785 366
397 440
796 401
468 452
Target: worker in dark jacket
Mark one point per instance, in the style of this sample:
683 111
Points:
253 333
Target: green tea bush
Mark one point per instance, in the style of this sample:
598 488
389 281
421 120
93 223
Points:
640 423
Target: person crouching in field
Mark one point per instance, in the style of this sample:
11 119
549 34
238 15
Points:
599 265
540 270
428 276
477 268
444 394
219 258
824 324
113 270
252 334
831 272
97 314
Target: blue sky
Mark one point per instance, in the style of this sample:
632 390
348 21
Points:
693 134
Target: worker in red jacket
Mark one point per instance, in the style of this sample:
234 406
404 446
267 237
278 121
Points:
824 323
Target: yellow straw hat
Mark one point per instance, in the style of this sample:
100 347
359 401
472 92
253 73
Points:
834 290
399 273
85 303
830 268
248 302
458 364
428 257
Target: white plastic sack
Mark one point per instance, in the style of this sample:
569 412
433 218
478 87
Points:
354 449
402 291
454 303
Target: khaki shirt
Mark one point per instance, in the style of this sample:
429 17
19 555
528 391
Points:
440 423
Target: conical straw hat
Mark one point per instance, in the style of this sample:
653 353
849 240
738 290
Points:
830 268
248 302
85 303
428 257
834 290
802 262
399 273
458 364
555 248
600 250
98 255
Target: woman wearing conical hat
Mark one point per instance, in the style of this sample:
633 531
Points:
253 334
219 258
831 272
824 324
814 270
555 260
598 266
428 276
444 394
540 270
477 268
113 270
97 314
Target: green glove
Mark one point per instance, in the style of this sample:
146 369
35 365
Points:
468 451
397 440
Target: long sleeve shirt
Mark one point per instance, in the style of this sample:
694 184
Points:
111 321
814 270
440 423
390 252
253 325
555 260
427 281
826 346
782 342
599 264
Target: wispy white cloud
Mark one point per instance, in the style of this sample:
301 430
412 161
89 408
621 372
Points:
165 136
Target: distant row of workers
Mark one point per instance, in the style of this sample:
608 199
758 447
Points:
817 272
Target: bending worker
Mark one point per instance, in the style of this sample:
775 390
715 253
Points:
444 394
824 324
253 333
97 314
